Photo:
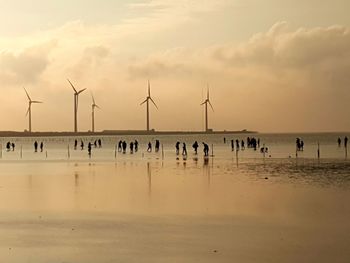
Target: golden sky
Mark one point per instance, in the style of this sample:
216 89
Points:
272 66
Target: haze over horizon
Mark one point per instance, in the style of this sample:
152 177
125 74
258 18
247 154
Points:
272 66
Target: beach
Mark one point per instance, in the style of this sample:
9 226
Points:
159 207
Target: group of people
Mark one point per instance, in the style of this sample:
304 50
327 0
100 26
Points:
299 144
122 146
195 147
345 142
10 145
36 144
97 143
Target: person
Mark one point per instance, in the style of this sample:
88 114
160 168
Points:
339 142
205 149
132 147
157 146
232 145
95 143
184 150
149 149
89 149
8 147
237 145
346 142
242 144
302 145
35 146
41 147
99 143
82 145
224 140
124 146
177 147
195 147
13 146
120 143
298 144
75 144
136 143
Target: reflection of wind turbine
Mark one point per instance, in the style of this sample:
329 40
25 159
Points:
206 102
29 111
147 104
93 106
76 97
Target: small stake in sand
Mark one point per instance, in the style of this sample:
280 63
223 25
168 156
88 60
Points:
264 151
212 150
115 152
46 154
162 152
318 150
346 151
68 153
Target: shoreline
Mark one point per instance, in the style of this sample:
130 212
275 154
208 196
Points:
4 134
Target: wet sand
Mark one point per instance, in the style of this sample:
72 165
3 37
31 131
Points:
173 211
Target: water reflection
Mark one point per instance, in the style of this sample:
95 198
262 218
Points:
149 175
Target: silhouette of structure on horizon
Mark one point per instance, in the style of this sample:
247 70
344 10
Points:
148 98
76 98
93 106
29 111
206 102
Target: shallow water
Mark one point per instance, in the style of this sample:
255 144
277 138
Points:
145 208
279 145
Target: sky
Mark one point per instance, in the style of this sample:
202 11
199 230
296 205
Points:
271 65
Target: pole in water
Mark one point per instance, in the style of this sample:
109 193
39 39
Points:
46 154
346 152
212 150
68 153
264 150
21 154
0 150
318 150
115 152
162 152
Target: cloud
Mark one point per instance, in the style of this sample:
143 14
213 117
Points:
280 47
26 66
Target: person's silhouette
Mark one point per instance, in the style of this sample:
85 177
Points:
184 150
35 146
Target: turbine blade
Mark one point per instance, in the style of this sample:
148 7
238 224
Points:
207 92
80 91
27 111
153 102
27 94
143 101
210 105
36 101
97 106
72 86
149 89
93 99
203 102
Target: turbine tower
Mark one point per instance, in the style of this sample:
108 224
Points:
206 102
29 111
148 98
93 106
76 97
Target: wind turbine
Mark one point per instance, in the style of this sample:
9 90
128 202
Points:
29 111
76 97
206 102
148 98
93 106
